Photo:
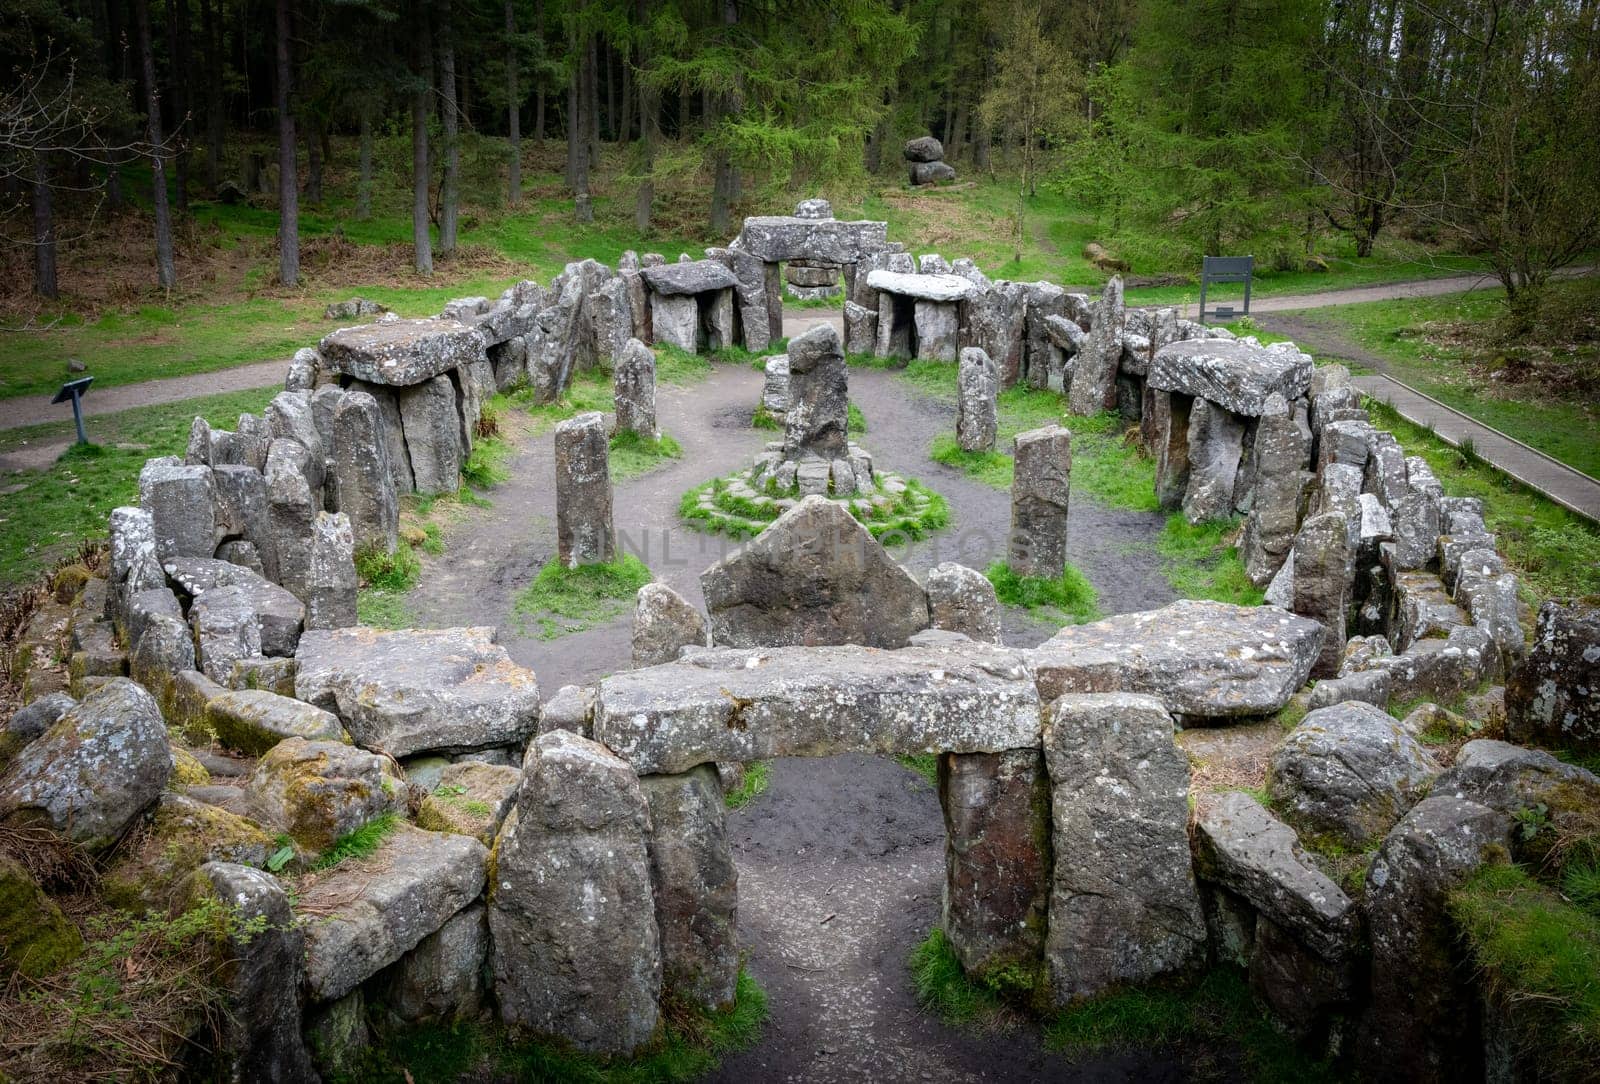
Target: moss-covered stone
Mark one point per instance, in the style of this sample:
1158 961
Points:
68 581
181 836
471 799
185 706
254 720
319 791
35 937
187 771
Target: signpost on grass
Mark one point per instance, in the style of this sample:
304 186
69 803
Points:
74 390
1224 269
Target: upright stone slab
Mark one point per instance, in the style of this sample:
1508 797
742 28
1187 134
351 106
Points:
816 423
1323 569
1041 481
1216 439
860 328
1282 449
290 513
977 412
577 948
696 886
815 576
584 532
937 325
432 426
997 858
361 471
241 512
331 579
663 622
1553 697
1094 379
962 600
1168 413
675 321
182 505
634 390
1124 908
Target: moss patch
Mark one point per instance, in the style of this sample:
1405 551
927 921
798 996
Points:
360 843
633 455
35 937
898 510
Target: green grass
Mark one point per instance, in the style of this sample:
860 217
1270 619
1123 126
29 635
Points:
755 784
855 421
915 514
1538 956
397 571
1448 348
382 609
943 987
990 468
692 1044
925 765
1551 548
765 419
562 600
363 842
55 509
486 463
1203 562
633 455
1071 599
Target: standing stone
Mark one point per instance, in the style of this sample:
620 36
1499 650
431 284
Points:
1124 908
775 387
290 511
1094 379
1169 417
361 469
860 328
818 396
1323 570
241 512
634 390
442 978
289 417
1282 448
577 950
610 321
1041 481
1421 1023
750 296
977 411
182 507
997 858
937 328
1553 697
696 886
433 434
1216 440
663 622
962 600
675 320
331 580
393 430
584 534
1040 354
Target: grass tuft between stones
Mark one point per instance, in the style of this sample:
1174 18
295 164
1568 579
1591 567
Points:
1203 561
562 600
1071 597
756 777
691 1044
715 508
360 843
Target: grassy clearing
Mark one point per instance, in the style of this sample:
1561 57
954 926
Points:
754 784
1551 548
1203 561
562 600
1071 599
54 509
633 455
361 843
916 513
1452 348
692 1045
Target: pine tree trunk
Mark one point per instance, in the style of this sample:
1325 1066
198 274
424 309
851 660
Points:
649 129
513 108
178 35
44 230
611 95
591 105
166 275
216 115
625 124
421 95
539 88
723 183
364 180
449 194
576 147
288 186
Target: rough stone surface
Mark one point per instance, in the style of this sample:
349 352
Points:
634 390
261 1037
577 949
239 621
1040 486
151 870
96 768
663 622
743 705
1124 907
1248 851
1216 444
1234 375
931 172
254 720
694 277
924 149
775 387
1281 450
1369 686
961 599
365 914
815 576
696 886
816 423
400 353
361 472
414 690
1421 1023
470 799
442 978
432 427
1553 697
181 503
571 708
331 580
1168 418
977 413
584 532
1094 377
317 791
291 509
1348 773
1202 659
1323 571
997 857
782 238
947 288
1510 777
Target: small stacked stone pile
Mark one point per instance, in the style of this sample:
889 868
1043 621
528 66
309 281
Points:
812 280
926 155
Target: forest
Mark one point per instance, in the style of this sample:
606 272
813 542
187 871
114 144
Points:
1185 127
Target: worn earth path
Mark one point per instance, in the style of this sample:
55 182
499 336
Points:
842 859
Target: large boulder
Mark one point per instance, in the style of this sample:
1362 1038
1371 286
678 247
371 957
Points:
36 937
1553 697
181 502
1348 772
1124 907
400 353
365 914
924 149
92 773
181 835
694 277
577 949
442 978
742 705
1512 778
1204 660
664 622
418 690
431 422
320 791
815 576
961 599
254 720
1233 374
